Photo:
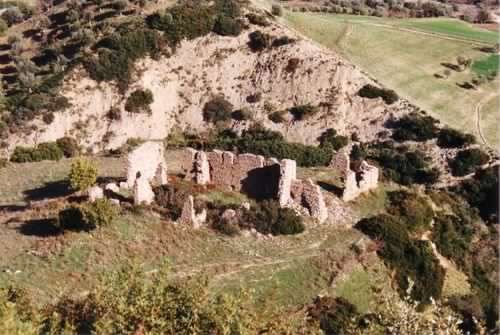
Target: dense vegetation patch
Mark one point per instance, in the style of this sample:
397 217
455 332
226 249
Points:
410 258
415 127
403 165
258 41
43 151
330 138
488 66
268 143
88 216
451 138
413 210
139 101
267 217
371 92
335 315
468 161
302 112
83 174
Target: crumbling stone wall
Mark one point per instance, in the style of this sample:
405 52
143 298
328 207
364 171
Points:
148 161
356 182
255 176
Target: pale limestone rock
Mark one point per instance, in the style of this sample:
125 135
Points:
246 205
189 215
161 177
143 193
351 189
201 168
369 177
124 185
145 161
115 201
95 192
288 173
112 187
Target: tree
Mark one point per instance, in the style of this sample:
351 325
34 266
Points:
83 174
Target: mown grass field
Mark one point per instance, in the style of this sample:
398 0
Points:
402 55
486 66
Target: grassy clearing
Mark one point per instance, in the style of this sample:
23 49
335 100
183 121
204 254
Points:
487 66
403 60
452 28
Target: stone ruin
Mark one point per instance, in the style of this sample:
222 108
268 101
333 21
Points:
255 176
360 180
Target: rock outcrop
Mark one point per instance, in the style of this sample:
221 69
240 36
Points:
147 161
143 193
308 195
189 215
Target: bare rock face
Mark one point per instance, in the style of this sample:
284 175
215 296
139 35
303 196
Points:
112 187
307 194
147 161
95 193
143 192
189 215
288 173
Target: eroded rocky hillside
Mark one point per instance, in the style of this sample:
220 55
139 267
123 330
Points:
276 78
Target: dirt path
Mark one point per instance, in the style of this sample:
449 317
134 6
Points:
477 112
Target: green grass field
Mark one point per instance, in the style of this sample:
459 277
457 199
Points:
407 61
487 66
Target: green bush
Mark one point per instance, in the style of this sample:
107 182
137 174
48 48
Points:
243 114
69 146
404 166
302 112
451 138
372 92
258 41
412 259
468 161
267 217
413 211
44 151
335 315
100 213
186 21
481 192
259 20
415 127
83 174
268 143
117 54
139 101
330 138
217 109
227 26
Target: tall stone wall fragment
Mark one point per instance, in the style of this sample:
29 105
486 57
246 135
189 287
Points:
369 177
308 194
201 168
144 161
143 192
288 173
341 163
189 215
186 158
242 166
351 190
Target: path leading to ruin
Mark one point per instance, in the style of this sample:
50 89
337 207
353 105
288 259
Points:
477 113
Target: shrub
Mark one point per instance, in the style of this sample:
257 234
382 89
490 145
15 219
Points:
411 259
372 92
100 213
261 141
414 127
302 112
227 26
83 174
404 166
267 217
217 109
280 41
242 114
481 192
139 101
277 117
48 118
114 113
69 146
44 151
467 161
259 20
413 211
451 138
229 8
187 21
330 138
258 41
335 315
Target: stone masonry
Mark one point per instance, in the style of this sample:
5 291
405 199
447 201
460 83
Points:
146 167
255 176
189 215
363 179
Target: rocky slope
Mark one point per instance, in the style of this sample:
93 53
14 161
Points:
212 65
